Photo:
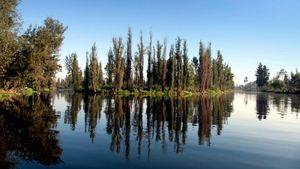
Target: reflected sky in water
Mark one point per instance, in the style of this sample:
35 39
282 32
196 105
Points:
240 130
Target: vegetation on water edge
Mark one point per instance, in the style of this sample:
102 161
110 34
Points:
9 93
281 83
159 93
4 94
176 73
30 59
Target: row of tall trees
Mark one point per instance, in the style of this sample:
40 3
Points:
125 70
28 59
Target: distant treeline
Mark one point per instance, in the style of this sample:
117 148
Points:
167 69
282 82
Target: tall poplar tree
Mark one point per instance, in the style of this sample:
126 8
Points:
185 65
86 81
110 67
178 70
128 73
73 71
164 66
100 75
149 68
94 69
141 52
219 73
158 74
119 68
203 67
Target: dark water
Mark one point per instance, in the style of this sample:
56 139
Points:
240 130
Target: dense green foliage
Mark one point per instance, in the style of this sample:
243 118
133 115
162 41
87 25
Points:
282 82
31 58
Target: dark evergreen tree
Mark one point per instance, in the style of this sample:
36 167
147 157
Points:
141 52
164 67
219 73
86 81
128 73
158 64
185 66
149 68
262 75
178 68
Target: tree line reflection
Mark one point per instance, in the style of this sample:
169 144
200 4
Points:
135 123
26 131
282 103
135 126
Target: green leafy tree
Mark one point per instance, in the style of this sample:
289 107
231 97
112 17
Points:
36 62
9 24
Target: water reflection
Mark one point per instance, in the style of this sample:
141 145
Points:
280 102
134 127
141 121
262 105
26 127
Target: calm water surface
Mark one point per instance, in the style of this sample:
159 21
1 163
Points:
240 130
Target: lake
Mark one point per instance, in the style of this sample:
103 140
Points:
64 131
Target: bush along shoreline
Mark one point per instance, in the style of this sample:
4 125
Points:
151 93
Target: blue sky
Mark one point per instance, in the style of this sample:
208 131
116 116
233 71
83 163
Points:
247 32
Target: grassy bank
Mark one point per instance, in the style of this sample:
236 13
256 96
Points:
169 93
5 94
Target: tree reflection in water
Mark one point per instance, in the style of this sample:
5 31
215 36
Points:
280 102
26 127
135 126
136 122
262 106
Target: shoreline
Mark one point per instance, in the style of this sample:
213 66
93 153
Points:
153 93
6 94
